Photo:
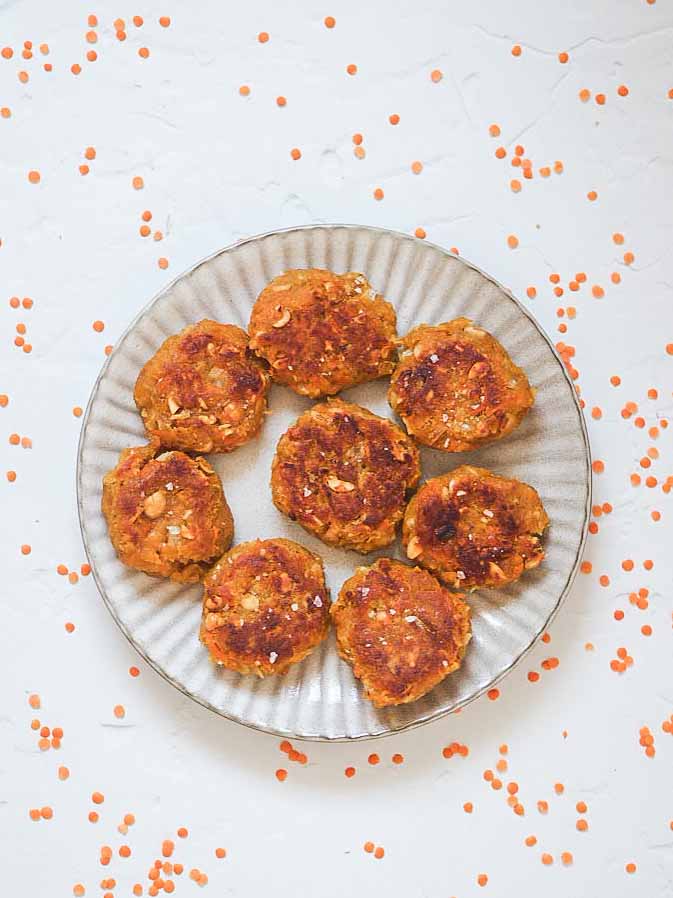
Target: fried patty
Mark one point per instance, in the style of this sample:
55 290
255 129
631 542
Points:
400 629
473 528
343 474
203 390
166 513
322 332
456 388
265 607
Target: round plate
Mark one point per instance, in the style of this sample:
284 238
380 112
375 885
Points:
319 698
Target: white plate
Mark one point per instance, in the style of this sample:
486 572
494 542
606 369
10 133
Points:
319 698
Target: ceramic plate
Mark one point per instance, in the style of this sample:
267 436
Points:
319 698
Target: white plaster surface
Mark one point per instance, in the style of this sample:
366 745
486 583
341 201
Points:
217 167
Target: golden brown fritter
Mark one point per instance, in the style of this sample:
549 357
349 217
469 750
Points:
400 629
456 388
166 513
203 390
265 607
343 474
323 332
473 528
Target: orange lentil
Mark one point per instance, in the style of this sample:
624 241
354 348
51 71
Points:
182 832
378 852
281 101
635 479
349 772
628 258
592 195
6 112
512 241
97 798
11 476
351 68
263 37
646 630
164 21
84 169
34 177
330 22
295 153
373 758
162 262
501 766
618 615
25 549
482 879
596 412
574 286
368 847
124 851
137 183
616 277
547 859
119 711
133 671
623 90
394 119
582 825
531 292
500 153
558 167
145 231
158 235
143 52
45 731
436 75
23 77
533 676
515 185
584 95
563 57
493 694
93 817
600 99
468 807
167 847
598 466
281 774
72 577
378 194
417 167
398 758
420 233
494 130
516 50
630 868
75 68
648 564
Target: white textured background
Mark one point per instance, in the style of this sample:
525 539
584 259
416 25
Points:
217 167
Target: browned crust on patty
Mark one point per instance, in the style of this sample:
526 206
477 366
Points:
343 474
166 513
400 629
475 529
265 607
203 390
456 388
322 332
